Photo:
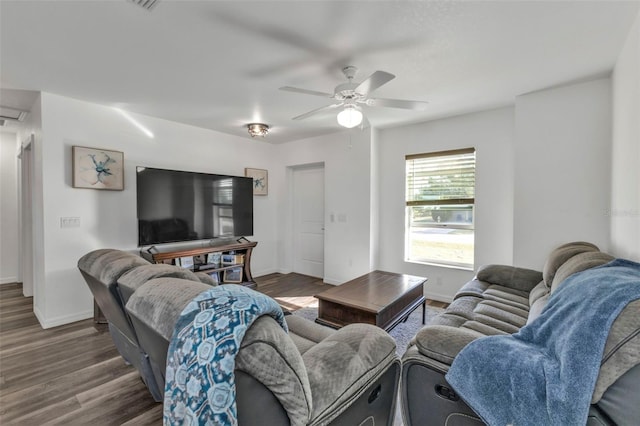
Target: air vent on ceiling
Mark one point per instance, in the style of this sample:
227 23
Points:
147 4
7 113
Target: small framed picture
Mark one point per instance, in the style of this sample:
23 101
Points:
185 262
228 259
232 275
260 180
214 258
97 168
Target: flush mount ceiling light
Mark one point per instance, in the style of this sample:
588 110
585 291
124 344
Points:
257 129
349 117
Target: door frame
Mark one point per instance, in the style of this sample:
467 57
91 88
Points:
290 227
25 177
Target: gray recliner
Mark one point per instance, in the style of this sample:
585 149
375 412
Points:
101 270
500 300
312 375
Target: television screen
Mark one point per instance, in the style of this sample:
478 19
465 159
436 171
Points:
181 206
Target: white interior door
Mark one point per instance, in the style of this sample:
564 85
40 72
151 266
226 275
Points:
308 221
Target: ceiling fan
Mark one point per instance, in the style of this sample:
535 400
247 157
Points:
351 96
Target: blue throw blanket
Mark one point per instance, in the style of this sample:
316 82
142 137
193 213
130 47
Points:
200 384
546 373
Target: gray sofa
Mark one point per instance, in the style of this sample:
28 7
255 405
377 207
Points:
311 375
501 300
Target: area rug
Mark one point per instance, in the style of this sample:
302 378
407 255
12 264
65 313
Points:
402 333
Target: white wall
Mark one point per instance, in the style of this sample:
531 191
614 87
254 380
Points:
553 139
374 226
491 134
9 243
346 157
108 218
625 177
562 169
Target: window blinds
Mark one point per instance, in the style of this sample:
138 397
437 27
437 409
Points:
446 177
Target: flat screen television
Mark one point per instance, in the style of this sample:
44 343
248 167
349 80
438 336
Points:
176 206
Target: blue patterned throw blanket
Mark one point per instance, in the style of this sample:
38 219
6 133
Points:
545 374
200 383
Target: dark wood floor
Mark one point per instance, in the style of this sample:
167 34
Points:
73 374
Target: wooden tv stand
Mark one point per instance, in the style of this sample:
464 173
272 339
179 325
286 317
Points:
200 251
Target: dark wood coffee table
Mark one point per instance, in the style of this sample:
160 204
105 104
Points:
379 298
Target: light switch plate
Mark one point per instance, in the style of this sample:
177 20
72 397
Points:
69 222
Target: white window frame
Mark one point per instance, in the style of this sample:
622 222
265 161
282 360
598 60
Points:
429 193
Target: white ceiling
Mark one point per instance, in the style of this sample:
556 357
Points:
219 64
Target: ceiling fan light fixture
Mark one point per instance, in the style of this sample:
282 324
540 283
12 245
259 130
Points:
349 117
257 129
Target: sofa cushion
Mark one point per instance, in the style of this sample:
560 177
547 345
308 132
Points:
107 265
497 319
480 327
463 307
475 287
509 276
343 363
503 311
538 299
508 296
536 309
538 291
443 343
579 263
267 354
560 255
306 334
130 281
159 302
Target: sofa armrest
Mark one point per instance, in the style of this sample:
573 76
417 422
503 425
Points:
510 276
341 367
442 342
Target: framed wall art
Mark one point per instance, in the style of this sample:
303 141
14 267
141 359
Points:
97 168
260 180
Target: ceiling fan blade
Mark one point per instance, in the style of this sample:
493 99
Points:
374 81
306 92
316 111
397 103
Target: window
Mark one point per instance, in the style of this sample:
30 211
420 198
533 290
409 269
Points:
440 196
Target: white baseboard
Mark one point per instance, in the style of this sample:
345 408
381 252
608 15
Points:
332 281
264 272
39 316
437 296
8 280
62 320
